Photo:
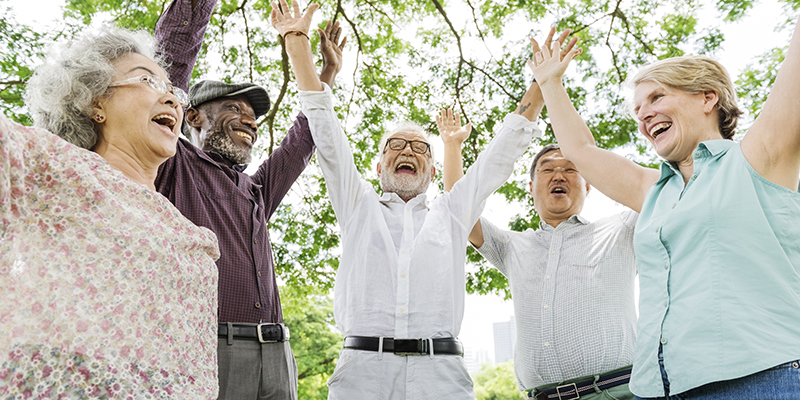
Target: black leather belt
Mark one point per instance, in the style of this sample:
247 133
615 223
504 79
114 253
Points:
575 390
264 333
405 346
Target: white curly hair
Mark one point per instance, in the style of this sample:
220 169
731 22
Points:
76 75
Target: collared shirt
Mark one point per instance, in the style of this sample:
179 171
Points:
107 291
719 269
573 290
237 207
402 268
234 205
180 32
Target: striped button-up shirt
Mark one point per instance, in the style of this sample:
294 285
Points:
572 287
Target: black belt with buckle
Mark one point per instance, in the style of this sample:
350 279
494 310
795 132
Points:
405 346
575 390
264 333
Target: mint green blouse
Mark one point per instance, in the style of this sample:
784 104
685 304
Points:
719 271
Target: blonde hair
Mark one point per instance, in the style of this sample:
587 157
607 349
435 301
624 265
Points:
696 74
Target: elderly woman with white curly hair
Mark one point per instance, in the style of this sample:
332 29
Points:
108 291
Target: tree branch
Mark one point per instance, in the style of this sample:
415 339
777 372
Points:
380 11
461 53
270 118
614 58
249 50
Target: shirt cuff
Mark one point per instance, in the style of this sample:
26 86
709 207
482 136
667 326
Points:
518 122
316 100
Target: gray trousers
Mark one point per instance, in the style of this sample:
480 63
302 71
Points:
249 370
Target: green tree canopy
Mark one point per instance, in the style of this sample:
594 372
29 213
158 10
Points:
409 59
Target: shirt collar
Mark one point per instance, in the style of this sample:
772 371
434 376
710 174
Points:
392 197
704 149
222 161
573 220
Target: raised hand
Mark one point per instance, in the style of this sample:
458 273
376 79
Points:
450 128
331 47
545 65
287 22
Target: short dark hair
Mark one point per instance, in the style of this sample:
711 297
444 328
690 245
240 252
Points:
546 149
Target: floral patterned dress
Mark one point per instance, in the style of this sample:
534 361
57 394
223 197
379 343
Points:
106 290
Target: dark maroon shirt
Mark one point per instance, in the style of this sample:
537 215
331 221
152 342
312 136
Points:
237 206
234 205
179 33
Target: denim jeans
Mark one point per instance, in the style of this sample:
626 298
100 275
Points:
781 382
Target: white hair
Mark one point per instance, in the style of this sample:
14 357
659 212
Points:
62 93
406 127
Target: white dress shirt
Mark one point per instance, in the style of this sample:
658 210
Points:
572 287
402 268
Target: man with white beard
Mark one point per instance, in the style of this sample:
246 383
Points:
399 291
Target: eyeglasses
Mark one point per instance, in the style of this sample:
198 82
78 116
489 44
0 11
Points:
417 146
157 84
551 171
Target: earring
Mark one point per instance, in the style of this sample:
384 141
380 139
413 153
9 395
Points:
99 118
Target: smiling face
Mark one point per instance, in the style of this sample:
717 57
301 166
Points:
227 126
675 121
558 190
139 120
405 172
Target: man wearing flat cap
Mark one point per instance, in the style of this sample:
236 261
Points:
207 184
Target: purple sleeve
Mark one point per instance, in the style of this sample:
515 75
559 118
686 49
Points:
179 33
279 172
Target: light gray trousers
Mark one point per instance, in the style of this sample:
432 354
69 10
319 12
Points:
249 370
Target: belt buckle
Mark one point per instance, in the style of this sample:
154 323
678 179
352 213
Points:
569 385
261 337
410 347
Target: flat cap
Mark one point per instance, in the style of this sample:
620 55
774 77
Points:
208 90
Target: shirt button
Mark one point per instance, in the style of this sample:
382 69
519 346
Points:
546 344
255 240
259 273
545 306
402 309
408 229
404 252
553 252
548 276
697 154
258 305
663 340
694 176
558 233
402 275
674 204
666 265
185 23
666 302
658 229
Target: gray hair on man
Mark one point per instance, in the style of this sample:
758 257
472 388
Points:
405 126
62 93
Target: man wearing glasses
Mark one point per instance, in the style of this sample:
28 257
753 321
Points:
399 292
572 282
207 184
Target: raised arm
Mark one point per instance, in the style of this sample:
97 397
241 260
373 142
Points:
294 28
331 49
617 177
179 33
453 136
772 145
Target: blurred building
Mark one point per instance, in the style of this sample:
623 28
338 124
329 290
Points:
475 358
505 337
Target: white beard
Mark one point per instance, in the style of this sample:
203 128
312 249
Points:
406 186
